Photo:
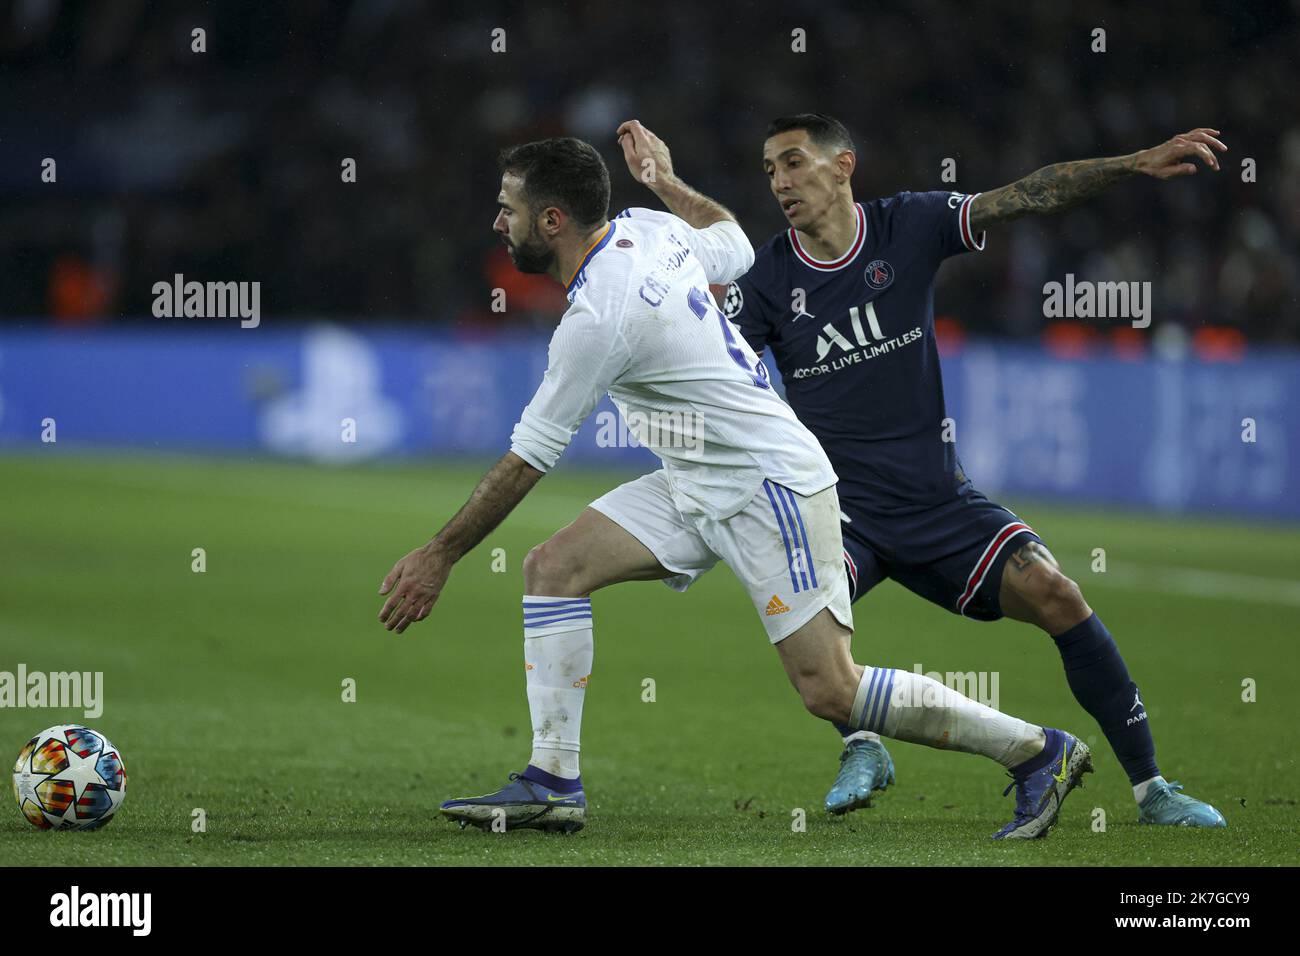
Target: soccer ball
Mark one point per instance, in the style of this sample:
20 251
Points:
69 778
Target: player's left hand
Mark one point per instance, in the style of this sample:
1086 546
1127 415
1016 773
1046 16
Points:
648 159
419 579
1166 160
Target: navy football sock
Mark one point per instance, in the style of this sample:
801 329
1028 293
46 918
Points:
1102 686
1051 747
549 780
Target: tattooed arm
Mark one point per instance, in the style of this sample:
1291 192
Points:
1065 185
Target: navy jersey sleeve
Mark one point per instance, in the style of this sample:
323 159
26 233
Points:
750 311
945 215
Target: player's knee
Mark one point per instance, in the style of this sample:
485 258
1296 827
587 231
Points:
1061 604
554 569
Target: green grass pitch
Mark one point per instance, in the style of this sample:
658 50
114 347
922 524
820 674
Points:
224 689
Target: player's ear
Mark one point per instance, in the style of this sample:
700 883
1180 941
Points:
846 162
550 221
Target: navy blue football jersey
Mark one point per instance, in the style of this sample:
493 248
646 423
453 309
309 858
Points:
854 342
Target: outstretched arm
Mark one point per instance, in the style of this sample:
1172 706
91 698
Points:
1065 185
649 161
719 243
419 577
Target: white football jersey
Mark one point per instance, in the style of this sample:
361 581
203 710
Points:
643 326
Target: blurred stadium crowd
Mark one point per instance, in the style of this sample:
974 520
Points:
225 165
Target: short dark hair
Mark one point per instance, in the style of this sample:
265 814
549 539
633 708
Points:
825 131
564 172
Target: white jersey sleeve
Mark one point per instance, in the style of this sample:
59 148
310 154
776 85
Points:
722 248
586 355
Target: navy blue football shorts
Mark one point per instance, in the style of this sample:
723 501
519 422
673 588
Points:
951 554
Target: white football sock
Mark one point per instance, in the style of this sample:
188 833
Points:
1140 789
558 649
860 735
912 707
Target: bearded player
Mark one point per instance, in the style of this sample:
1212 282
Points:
844 298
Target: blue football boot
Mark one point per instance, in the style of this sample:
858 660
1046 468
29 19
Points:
865 766
1166 806
522 804
1039 794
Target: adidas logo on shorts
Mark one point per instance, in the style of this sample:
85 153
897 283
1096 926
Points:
776 606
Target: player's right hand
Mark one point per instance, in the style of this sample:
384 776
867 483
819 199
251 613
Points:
648 159
419 579
1173 158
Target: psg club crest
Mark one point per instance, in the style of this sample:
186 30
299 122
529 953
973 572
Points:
733 302
879 274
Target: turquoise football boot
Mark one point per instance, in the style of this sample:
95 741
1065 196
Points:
1166 806
865 766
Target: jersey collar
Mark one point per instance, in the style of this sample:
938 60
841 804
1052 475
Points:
854 248
605 235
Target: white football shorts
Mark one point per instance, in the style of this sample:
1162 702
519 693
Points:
784 548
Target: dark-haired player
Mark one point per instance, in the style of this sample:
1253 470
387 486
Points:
742 482
845 301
